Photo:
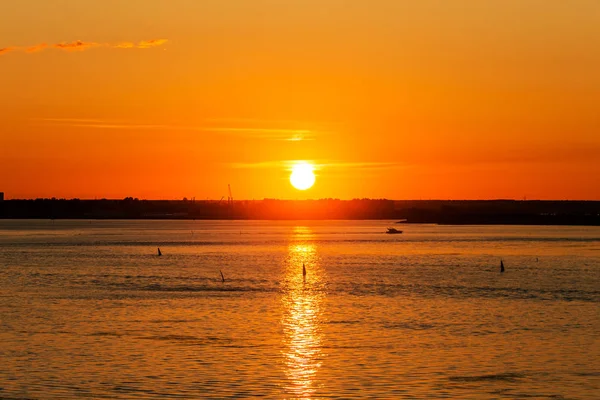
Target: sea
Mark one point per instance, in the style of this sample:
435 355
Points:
88 309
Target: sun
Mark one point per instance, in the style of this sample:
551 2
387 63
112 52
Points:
302 176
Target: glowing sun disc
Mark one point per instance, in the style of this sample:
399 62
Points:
302 176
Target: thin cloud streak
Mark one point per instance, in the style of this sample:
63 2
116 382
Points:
363 165
103 124
237 120
276 126
36 48
293 135
320 164
81 120
146 44
266 130
118 126
567 156
79 45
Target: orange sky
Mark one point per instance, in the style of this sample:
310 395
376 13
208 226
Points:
389 98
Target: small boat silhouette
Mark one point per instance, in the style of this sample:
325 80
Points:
159 253
393 231
222 277
501 266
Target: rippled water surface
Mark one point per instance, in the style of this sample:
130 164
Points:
88 309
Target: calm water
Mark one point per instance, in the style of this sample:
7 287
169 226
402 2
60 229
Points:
89 310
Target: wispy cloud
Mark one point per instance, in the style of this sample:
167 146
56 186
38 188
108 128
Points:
124 45
275 129
286 164
263 121
80 45
322 164
104 124
293 135
69 120
77 45
36 48
122 126
146 44
370 165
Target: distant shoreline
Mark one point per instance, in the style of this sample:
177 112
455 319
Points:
307 220
441 212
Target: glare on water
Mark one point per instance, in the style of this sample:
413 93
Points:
89 310
302 307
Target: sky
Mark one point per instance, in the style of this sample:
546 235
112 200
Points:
165 99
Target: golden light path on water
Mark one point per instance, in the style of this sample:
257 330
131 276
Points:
301 314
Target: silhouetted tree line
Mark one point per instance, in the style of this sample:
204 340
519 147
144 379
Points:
413 211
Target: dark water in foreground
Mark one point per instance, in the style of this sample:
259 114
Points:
88 310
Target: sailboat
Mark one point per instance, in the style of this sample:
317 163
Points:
303 272
222 277
159 253
501 266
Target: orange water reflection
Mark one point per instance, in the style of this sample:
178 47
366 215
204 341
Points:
301 314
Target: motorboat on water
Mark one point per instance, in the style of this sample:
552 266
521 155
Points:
393 231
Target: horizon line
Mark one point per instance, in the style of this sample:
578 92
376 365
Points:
193 199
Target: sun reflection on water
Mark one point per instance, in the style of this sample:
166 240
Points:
301 314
